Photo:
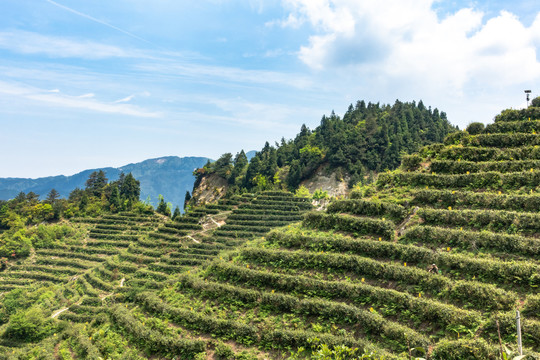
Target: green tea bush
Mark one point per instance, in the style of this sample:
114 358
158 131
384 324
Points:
350 224
465 349
368 208
474 200
474 240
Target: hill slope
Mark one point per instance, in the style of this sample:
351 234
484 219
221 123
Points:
368 139
170 176
427 259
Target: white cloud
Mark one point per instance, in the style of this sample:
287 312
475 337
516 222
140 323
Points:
406 39
85 101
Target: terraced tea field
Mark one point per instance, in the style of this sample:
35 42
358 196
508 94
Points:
431 261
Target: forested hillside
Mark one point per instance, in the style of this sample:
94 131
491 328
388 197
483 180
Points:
430 261
368 139
169 176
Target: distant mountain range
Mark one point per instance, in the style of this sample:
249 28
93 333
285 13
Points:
170 176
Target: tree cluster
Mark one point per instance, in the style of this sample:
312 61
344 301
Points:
369 138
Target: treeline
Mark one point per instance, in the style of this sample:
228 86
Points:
369 138
98 196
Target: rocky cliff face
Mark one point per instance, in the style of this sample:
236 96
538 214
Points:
211 188
334 181
331 181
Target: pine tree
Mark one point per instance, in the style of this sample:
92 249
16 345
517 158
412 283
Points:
176 213
186 199
96 182
52 197
130 189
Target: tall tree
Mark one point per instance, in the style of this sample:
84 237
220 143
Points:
96 183
53 196
186 199
130 189
176 213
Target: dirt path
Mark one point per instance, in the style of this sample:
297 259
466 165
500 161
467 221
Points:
59 312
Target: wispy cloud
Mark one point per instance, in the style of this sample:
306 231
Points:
84 101
98 21
203 73
25 42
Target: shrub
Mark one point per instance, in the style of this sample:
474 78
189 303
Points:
473 349
475 128
29 325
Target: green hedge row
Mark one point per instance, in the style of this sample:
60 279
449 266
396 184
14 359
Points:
474 200
225 329
502 140
363 294
254 230
56 270
38 275
149 274
518 114
110 236
243 333
255 217
265 211
112 227
83 346
105 231
183 226
65 262
234 234
532 306
136 258
152 340
109 243
122 266
288 207
507 272
486 180
350 224
196 250
462 167
370 322
174 231
257 223
471 153
69 254
513 127
97 282
474 240
177 255
481 295
186 220
497 220
184 261
282 204
465 349
164 236
368 208
86 287
166 268
530 329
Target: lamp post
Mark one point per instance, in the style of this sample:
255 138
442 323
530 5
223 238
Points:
527 93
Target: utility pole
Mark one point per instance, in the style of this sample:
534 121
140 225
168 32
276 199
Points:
518 326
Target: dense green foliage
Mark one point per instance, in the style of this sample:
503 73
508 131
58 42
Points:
369 138
430 262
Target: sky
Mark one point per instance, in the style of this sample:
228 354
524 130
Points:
89 84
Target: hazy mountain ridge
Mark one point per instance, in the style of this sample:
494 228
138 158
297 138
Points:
170 176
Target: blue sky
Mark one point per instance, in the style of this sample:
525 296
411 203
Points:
86 84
